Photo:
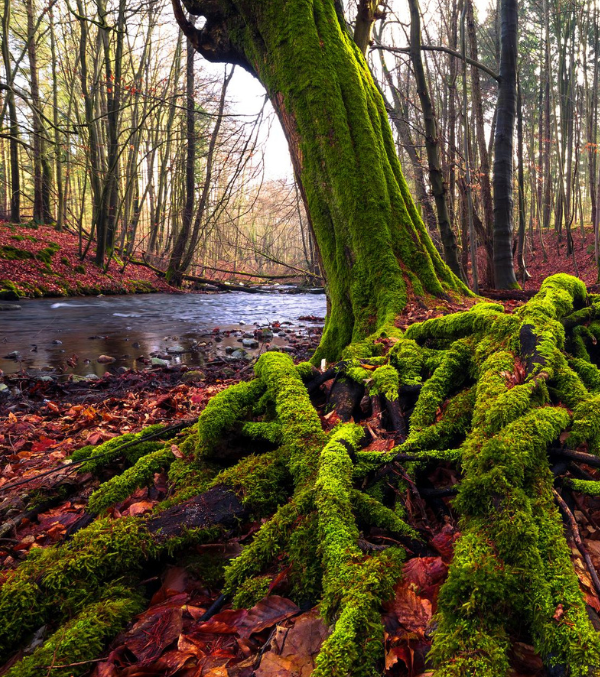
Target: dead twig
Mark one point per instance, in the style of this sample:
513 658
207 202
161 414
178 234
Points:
577 538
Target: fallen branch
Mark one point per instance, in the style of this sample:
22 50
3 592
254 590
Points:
75 464
196 278
580 456
577 538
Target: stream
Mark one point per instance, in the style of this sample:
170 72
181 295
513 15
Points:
46 333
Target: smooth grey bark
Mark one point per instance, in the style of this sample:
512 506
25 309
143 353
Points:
504 271
175 270
15 178
484 159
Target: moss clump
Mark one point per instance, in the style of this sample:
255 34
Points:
588 487
448 377
80 268
450 429
60 581
408 358
302 433
222 413
141 286
83 638
139 475
586 425
45 255
9 291
22 238
269 431
263 482
10 253
353 586
251 592
109 451
385 382
587 372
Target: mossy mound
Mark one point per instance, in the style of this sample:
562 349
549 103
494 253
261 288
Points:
488 393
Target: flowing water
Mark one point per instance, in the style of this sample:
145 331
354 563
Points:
48 332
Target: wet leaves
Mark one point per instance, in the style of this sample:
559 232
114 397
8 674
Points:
170 638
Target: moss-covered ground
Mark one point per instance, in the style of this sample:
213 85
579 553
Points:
38 261
340 513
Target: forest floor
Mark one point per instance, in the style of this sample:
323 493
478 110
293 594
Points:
39 261
43 501
542 261
179 633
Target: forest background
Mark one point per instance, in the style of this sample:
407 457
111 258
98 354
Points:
115 129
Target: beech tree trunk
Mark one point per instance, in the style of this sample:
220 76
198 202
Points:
436 177
41 172
375 250
504 271
15 180
174 273
484 160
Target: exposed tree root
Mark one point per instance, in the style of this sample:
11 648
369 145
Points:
499 397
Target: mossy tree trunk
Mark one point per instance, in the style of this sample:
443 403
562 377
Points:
373 244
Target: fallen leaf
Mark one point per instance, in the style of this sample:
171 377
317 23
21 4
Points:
300 648
153 633
225 622
175 582
141 507
176 451
266 613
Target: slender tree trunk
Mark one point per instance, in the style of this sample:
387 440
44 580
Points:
451 149
503 148
484 160
399 117
113 87
547 124
207 185
93 140
175 270
15 178
60 197
593 120
365 18
432 144
467 159
521 183
41 172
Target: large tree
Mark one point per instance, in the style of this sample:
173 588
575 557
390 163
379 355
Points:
374 247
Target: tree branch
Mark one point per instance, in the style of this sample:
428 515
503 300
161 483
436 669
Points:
445 50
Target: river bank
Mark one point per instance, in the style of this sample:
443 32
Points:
39 261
